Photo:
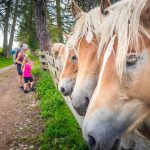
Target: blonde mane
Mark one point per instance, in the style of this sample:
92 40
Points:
123 22
87 26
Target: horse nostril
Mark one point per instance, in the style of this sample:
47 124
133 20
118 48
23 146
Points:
116 144
86 101
62 90
91 142
79 110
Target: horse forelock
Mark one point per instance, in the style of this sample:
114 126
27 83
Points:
124 22
86 27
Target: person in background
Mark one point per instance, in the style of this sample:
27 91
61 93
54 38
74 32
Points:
27 67
20 55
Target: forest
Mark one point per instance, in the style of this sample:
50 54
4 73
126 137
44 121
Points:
20 21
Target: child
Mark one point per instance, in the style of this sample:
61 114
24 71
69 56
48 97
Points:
27 75
18 60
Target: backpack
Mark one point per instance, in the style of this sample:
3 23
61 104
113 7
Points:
14 53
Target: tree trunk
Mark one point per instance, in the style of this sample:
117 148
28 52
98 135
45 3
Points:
114 1
13 26
41 25
87 5
59 21
6 25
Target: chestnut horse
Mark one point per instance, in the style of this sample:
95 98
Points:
58 51
57 48
69 64
121 100
84 42
68 74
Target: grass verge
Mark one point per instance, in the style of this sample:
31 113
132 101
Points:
4 62
0 50
34 58
61 129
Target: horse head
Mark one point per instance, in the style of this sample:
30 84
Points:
122 98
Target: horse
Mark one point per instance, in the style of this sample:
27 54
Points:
84 42
56 48
58 51
69 71
121 101
68 74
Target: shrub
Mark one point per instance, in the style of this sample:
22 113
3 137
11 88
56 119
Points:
4 62
36 71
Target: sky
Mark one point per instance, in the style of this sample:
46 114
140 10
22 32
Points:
15 44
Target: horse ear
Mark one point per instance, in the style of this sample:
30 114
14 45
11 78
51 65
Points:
77 12
56 48
103 5
67 36
145 16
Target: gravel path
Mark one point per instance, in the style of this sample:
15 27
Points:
20 121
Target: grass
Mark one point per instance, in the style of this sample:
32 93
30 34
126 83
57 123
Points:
33 57
36 67
61 130
4 62
0 50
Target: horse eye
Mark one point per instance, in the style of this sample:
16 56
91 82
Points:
74 58
132 60
106 12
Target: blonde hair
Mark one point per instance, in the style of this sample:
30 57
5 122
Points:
124 23
88 25
26 59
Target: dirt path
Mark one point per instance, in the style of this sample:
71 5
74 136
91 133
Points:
20 122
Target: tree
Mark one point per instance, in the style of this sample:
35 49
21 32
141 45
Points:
41 25
87 5
6 26
27 29
114 1
13 25
59 21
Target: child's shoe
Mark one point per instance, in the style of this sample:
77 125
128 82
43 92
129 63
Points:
31 89
21 88
25 91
